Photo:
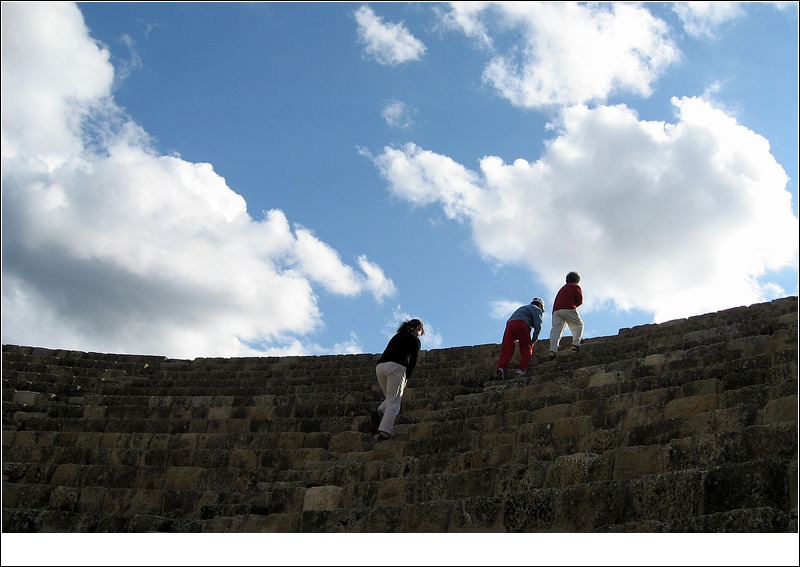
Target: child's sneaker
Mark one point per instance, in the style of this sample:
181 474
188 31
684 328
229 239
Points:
520 372
501 374
382 436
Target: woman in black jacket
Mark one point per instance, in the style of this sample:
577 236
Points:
394 368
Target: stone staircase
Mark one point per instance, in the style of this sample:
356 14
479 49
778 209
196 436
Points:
686 426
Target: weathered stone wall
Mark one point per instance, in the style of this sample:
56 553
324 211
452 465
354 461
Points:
686 426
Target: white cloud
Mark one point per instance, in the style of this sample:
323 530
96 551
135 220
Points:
398 114
432 339
118 248
376 281
388 44
568 52
703 19
466 18
502 309
674 219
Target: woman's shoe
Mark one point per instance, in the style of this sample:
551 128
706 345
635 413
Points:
375 420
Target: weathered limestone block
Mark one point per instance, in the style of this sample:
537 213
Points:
260 412
220 412
512 479
531 511
66 475
637 462
739 521
359 495
590 507
322 498
605 379
752 346
222 401
754 484
94 412
13 437
773 441
237 426
476 515
183 478
159 441
430 487
15 472
692 405
700 387
147 502
351 441
662 359
90 500
425 430
567 470
513 453
657 397
716 421
642 415
303 458
243 459
551 414
667 497
473 482
26 398
426 517
623 367
600 440
391 492
780 410
572 426
624 401
704 335
495 438
585 372
224 525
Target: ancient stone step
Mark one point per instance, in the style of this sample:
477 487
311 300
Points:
688 425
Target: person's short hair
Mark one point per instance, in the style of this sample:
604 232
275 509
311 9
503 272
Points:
573 277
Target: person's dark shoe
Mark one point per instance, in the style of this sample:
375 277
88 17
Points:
551 356
576 348
382 436
375 420
500 374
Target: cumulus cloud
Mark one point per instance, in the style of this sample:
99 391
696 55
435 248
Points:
567 52
119 248
703 19
388 44
432 338
397 114
671 218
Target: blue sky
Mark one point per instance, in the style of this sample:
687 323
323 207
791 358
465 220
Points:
251 179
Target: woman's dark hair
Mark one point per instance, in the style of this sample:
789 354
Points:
411 325
573 277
